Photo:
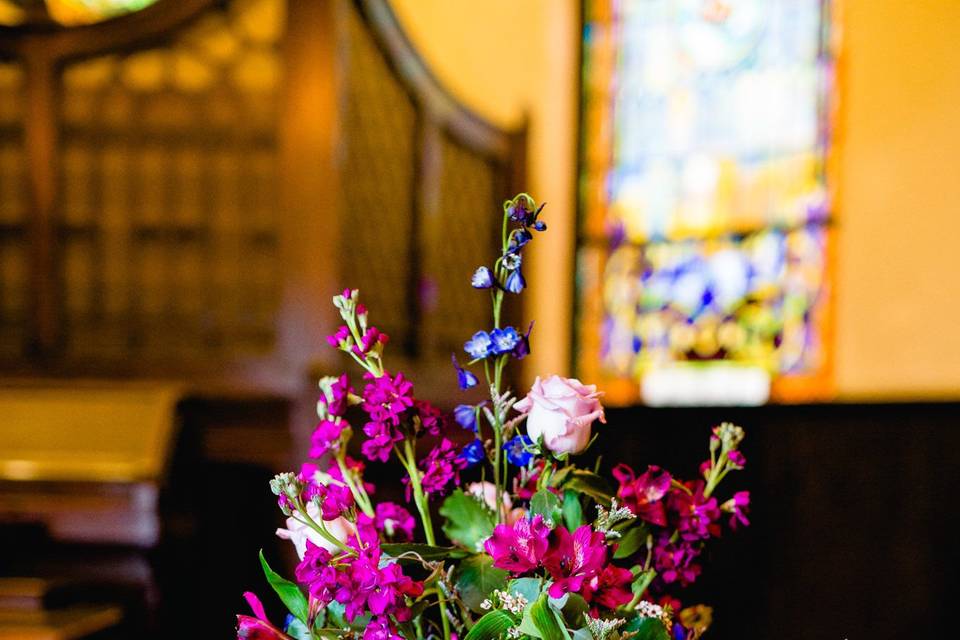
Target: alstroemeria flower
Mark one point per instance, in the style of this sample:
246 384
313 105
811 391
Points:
519 547
643 495
258 628
610 588
574 558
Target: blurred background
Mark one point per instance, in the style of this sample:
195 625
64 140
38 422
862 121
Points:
752 211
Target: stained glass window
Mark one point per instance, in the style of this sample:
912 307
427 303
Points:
704 253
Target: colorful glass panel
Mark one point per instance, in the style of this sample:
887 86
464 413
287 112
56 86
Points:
704 254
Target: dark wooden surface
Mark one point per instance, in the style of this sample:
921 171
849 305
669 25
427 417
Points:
854 515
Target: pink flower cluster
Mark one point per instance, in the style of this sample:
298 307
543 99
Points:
681 507
441 467
576 561
332 406
360 582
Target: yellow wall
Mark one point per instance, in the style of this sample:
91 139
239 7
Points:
898 143
508 59
898 287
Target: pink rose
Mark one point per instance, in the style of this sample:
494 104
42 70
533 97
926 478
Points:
561 410
298 533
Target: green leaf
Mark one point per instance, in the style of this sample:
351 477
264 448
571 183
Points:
582 634
572 511
476 578
647 629
468 522
631 541
529 588
427 552
289 592
574 610
546 504
591 484
298 630
544 620
492 625
336 614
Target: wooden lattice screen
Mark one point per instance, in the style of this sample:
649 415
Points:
174 182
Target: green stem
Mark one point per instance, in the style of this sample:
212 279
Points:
408 459
645 581
319 528
359 493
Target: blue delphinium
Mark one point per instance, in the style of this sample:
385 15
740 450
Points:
465 379
473 453
517 450
515 282
479 346
482 278
466 416
504 340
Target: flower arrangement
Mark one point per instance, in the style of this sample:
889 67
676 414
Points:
539 545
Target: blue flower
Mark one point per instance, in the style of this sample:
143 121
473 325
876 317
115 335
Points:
466 416
479 346
517 452
482 278
464 378
473 453
515 282
504 340
523 344
519 239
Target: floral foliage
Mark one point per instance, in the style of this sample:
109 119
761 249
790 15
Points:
539 544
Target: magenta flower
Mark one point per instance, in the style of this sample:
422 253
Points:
385 399
370 339
394 521
383 436
380 628
363 585
643 495
335 399
520 547
738 460
610 588
258 628
340 338
326 437
317 574
441 467
696 516
675 562
432 420
574 559
334 500
738 505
